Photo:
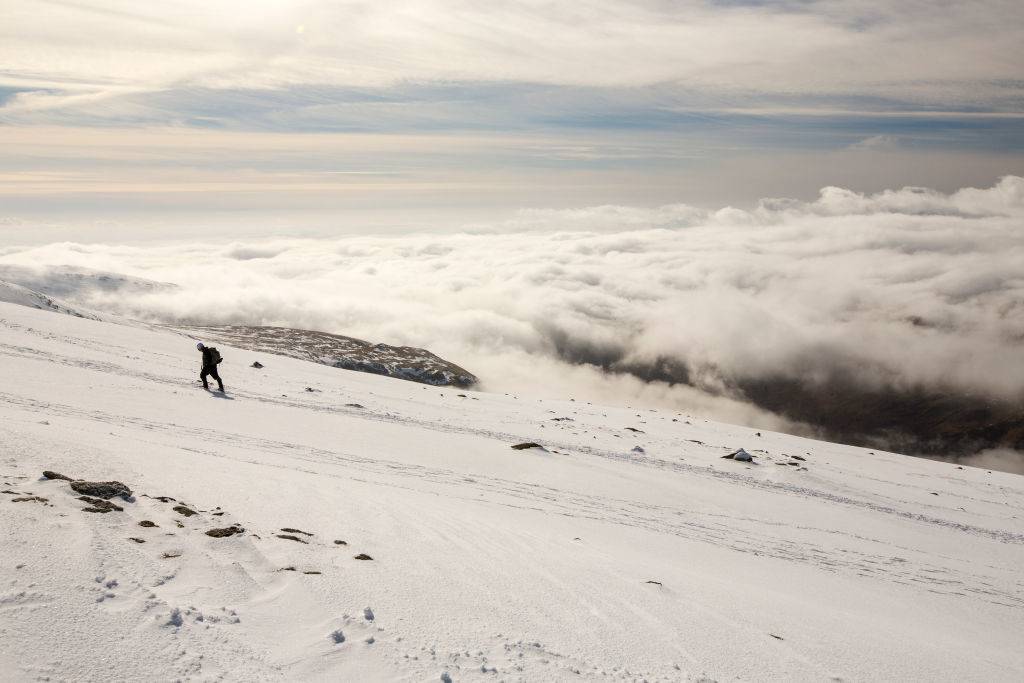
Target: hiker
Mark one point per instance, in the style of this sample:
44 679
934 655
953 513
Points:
211 357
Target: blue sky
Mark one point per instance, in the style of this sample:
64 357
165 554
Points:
324 107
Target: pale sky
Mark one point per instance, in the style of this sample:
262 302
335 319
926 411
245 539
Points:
313 113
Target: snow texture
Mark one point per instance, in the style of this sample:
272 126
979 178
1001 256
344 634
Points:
589 560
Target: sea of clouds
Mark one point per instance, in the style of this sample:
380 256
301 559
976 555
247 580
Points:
904 288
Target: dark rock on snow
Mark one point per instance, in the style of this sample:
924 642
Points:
296 531
524 446
184 510
47 474
256 364
289 537
226 531
30 499
148 524
363 556
100 505
101 489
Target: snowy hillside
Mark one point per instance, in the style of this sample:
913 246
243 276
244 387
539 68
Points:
11 293
374 529
348 353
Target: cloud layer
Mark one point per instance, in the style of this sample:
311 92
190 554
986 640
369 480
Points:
906 290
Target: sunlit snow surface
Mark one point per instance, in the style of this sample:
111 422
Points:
627 549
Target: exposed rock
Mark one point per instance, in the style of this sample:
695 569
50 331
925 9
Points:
798 457
148 524
312 571
340 543
170 555
289 537
165 499
740 455
363 556
656 583
638 449
101 489
634 429
48 474
137 540
184 510
30 499
354 405
403 362
296 531
99 505
256 364
226 531
524 446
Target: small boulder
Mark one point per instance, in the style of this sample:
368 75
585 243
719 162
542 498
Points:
48 474
256 364
148 524
340 543
99 505
289 537
184 510
101 489
524 446
740 455
226 531
363 556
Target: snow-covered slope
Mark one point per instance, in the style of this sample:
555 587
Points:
11 293
402 362
627 549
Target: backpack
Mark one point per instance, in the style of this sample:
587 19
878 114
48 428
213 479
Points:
215 356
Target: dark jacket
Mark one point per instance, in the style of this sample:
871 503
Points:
208 362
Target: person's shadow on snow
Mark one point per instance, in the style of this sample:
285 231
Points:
218 394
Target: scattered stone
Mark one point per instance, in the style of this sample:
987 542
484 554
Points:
256 364
99 505
757 434
226 531
354 405
524 446
363 556
638 449
296 531
634 429
312 571
311 389
289 537
184 510
776 637
338 637
217 514
656 583
368 614
137 540
165 499
30 499
799 457
286 569
10 493
340 543
148 524
48 474
101 489
562 419
445 678
740 455
170 556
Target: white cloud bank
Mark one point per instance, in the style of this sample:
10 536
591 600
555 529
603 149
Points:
900 289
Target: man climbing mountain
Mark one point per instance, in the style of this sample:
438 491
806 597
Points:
211 357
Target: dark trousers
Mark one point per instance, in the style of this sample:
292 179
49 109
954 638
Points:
210 370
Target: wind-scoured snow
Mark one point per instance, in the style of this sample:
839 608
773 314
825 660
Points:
402 362
374 529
